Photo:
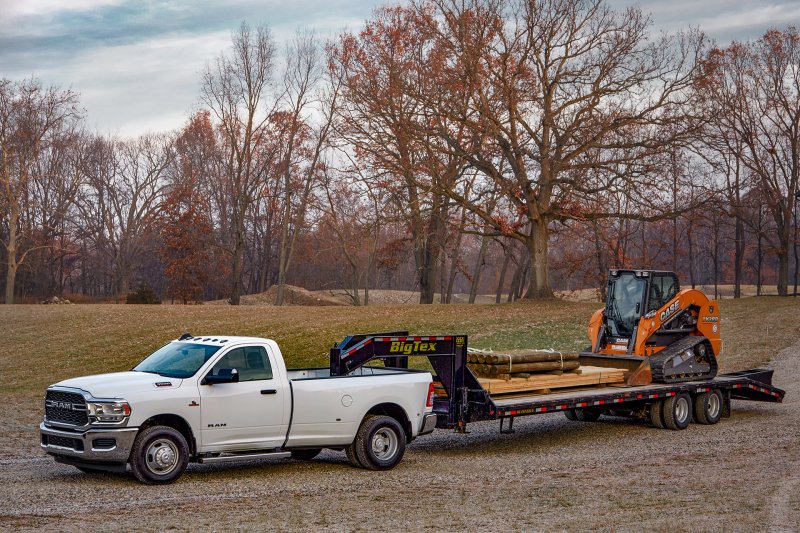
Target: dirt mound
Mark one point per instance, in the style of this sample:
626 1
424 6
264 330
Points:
292 296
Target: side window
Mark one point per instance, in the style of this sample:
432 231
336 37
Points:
251 362
662 290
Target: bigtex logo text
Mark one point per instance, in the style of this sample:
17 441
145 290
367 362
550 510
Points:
408 348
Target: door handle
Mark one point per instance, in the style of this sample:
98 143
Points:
269 391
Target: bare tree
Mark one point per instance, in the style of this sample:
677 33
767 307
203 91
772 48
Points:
32 118
235 88
756 87
559 87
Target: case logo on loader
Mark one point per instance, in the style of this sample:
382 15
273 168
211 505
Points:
407 348
669 311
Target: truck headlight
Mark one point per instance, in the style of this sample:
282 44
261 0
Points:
109 411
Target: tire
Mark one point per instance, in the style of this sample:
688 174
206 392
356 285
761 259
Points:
159 456
380 442
708 407
677 411
305 455
570 414
350 451
657 414
584 415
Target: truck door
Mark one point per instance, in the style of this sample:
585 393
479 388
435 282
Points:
250 414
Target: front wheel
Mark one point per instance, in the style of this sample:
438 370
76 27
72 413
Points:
380 443
160 455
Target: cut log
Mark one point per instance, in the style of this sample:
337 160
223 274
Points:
493 370
531 357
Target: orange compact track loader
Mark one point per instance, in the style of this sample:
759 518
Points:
653 329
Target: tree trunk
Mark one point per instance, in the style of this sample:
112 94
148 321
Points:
238 256
601 269
476 275
539 286
739 257
796 261
11 262
690 243
502 281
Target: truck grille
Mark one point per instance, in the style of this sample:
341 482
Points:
65 407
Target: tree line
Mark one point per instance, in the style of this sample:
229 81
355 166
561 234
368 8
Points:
477 146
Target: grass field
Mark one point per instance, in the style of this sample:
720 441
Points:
44 344
552 474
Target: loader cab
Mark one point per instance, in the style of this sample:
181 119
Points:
633 294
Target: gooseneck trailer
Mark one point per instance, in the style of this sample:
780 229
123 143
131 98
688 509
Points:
462 398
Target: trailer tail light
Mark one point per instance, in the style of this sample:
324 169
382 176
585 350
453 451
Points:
431 394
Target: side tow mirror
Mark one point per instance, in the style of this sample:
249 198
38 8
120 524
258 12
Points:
225 375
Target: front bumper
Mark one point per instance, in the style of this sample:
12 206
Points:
428 424
91 447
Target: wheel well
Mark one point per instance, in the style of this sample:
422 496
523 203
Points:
395 411
176 422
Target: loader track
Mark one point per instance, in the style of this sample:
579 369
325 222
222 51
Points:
662 364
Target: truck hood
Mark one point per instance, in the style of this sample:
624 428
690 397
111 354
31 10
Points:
121 384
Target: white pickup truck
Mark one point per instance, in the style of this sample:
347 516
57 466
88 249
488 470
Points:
220 398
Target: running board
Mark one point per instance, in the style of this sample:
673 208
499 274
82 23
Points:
244 457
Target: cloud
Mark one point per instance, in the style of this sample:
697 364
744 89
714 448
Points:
137 63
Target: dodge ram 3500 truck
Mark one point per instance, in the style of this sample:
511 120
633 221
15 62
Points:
220 398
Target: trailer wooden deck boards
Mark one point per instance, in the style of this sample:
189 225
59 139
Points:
590 375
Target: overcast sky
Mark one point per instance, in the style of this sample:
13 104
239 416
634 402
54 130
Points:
137 63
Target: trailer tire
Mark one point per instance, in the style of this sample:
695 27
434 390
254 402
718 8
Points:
584 415
570 414
159 456
708 407
657 414
677 411
305 455
380 442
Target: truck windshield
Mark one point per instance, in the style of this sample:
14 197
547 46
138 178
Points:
177 359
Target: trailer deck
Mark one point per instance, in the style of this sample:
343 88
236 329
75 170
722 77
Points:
465 400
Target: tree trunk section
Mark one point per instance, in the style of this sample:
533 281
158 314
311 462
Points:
539 286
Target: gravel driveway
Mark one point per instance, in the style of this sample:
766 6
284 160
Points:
740 475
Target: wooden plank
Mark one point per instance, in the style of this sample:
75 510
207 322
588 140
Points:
589 376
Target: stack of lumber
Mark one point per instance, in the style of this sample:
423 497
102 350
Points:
545 383
521 364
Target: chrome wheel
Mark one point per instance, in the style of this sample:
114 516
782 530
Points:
681 410
713 406
161 456
384 444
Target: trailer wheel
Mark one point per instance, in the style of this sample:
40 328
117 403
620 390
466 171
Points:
570 414
160 455
708 407
380 442
305 455
585 415
677 411
657 414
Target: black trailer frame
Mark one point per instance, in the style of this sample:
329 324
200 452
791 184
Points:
467 401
